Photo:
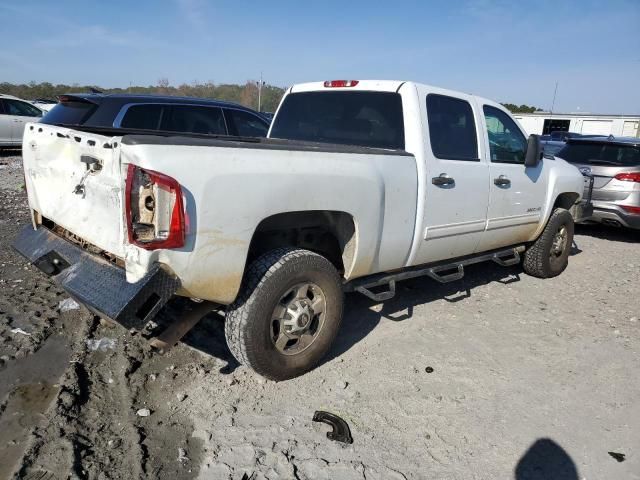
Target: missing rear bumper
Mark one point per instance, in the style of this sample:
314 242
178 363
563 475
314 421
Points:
99 285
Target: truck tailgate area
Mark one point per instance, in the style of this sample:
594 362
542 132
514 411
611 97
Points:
94 281
74 179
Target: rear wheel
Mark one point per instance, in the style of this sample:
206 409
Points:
549 254
287 314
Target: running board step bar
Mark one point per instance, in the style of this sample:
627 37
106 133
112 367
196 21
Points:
442 272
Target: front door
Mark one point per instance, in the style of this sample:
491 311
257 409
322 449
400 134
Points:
517 193
6 125
457 181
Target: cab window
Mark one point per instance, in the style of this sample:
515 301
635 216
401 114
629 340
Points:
507 144
452 129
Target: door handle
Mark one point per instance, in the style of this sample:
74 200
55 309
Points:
443 180
502 181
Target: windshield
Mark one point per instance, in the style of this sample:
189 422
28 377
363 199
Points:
369 119
601 154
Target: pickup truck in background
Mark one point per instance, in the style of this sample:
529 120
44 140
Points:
360 184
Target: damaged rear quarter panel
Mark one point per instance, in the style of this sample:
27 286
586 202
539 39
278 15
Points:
228 191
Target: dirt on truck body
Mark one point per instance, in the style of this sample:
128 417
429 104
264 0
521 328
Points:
527 377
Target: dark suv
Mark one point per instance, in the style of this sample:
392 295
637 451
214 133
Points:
157 113
614 163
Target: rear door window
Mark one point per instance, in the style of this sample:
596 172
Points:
452 128
193 119
245 124
593 153
369 119
142 117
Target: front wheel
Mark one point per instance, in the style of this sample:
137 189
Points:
549 254
287 314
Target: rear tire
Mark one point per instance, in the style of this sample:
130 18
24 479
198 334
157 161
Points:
549 254
287 313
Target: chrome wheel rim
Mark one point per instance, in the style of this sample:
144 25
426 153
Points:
298 318
559 243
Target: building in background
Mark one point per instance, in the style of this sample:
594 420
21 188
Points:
544 123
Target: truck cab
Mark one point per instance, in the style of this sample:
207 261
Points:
474 191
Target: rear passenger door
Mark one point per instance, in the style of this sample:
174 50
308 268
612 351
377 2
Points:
457 179
517 192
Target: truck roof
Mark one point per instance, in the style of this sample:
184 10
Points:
380 86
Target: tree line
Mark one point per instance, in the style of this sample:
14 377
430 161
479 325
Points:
246 94
520 109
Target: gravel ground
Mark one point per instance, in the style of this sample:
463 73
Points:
499 375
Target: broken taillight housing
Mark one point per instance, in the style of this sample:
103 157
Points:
154 209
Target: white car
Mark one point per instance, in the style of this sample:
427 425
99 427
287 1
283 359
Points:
361 184
44 104
14 114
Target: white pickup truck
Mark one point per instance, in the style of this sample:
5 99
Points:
359 184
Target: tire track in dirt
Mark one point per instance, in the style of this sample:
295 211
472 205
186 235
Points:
91 429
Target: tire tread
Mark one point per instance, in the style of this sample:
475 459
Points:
536 258
239 312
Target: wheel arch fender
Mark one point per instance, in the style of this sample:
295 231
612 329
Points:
331 233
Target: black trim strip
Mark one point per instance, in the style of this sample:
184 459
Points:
258 143
154 137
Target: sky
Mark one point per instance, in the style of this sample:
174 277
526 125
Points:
509 51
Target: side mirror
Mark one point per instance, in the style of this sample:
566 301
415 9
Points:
534 151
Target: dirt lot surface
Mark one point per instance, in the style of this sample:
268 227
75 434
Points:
528 379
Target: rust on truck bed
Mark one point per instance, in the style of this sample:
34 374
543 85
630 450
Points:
87 246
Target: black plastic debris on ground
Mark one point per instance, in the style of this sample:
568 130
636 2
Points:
429 369
340 432
619 457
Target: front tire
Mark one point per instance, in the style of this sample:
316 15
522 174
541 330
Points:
287 313
549 254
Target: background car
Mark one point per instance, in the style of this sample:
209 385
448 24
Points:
268 116
615 165
157 113
551 147
555 141
14 113
45 104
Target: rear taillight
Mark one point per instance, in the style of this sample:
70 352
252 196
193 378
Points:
631 209
340 83
628 177
154 209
